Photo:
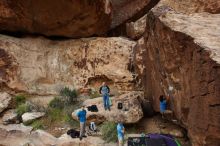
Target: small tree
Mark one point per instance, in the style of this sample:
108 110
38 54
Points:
109 131
69 95
20 99
56 103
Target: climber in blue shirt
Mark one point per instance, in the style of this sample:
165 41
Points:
120 131
104 90
82 119
163 105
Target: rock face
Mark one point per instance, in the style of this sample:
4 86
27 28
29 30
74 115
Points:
55 18
10 117
131 112
182 60
28 117
5 101
20 135
191 6
136 29
41 66
125 9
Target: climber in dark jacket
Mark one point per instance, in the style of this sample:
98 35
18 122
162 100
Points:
105 90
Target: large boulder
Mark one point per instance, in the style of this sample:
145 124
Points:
131 112
136 29
194 6
14 134
56 18
5 100
29 117
66 140
182 60
20 135
10 117
124 10
41 66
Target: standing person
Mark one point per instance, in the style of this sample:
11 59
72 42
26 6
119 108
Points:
104 90
82 119
120 131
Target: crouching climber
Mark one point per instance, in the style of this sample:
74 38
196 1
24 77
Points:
163 106
105 90
82 119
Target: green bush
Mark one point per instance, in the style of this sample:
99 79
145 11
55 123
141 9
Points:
57 103
69 95
55 114
22 108
109 131
20 99
37 125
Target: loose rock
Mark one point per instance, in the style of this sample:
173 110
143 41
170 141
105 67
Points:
10 117
29 117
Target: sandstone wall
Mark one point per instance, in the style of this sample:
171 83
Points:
125 9
78 18
41 66
183 60
191 6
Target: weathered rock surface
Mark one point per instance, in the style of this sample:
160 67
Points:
192 6
10 117
41 66
28 117
182 60
131 112
136 29
14 134
54 18
66 140
5 100
20 135
126 9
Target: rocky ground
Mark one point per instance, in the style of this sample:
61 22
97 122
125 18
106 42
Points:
55 133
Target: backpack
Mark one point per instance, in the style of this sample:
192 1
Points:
110 101
145 141
92 127
120 105
93 108
73 133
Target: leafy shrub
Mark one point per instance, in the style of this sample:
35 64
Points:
55 114
69 95
37 125
56 103
109 131
20 99
22 108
